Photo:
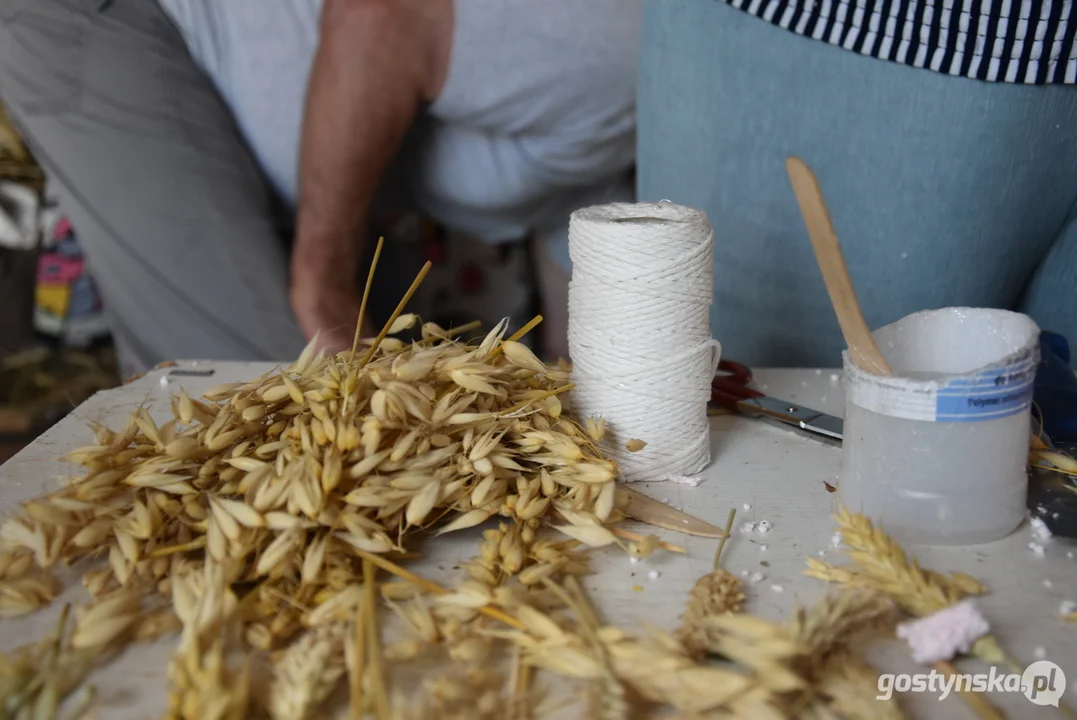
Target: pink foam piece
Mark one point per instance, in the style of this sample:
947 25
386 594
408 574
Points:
944 634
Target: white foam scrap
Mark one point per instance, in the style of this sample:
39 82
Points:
1048 583
748 527
765 526
1040 652
653 574
744 573
689 480
834 377
836 539
756 577
633 560
821 553
665 500
777 588
1067 607
164 381
1037 549
944 634
1040 531
763 547
1070 556
747 506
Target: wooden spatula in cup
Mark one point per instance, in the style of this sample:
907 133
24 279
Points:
824 240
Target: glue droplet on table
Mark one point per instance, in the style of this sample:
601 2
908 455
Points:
748 527
653 574
765 526
164 381
1037 549
747 506
633 560
777 588
834 377
756 577
763 547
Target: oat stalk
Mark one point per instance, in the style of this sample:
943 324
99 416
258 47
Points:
395 314
431 587
366 295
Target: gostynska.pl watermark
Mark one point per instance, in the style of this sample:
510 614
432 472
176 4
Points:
1042 683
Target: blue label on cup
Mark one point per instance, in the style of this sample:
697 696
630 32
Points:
989 394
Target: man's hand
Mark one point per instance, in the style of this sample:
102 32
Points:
378 62
331 313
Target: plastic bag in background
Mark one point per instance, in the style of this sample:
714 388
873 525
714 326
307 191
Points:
68 306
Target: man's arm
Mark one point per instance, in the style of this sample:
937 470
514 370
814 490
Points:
377 63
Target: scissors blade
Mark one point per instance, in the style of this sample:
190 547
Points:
804 418
653 512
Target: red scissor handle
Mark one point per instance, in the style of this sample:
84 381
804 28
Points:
734 372
730 385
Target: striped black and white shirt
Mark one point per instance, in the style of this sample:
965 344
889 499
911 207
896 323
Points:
1016 41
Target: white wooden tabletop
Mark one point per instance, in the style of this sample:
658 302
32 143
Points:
768 472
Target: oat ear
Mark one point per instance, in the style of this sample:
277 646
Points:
303 362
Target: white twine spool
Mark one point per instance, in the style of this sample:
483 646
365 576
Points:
639 332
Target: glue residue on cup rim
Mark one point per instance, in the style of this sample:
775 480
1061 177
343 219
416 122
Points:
951 365
936 341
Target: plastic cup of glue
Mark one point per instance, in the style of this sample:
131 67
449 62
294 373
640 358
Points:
937 454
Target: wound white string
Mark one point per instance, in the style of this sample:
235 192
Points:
639 332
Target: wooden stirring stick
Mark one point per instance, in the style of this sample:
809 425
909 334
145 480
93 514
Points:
824 240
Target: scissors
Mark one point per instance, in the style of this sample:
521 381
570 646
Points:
730 389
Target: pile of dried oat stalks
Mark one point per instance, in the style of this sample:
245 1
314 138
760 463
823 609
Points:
260 522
